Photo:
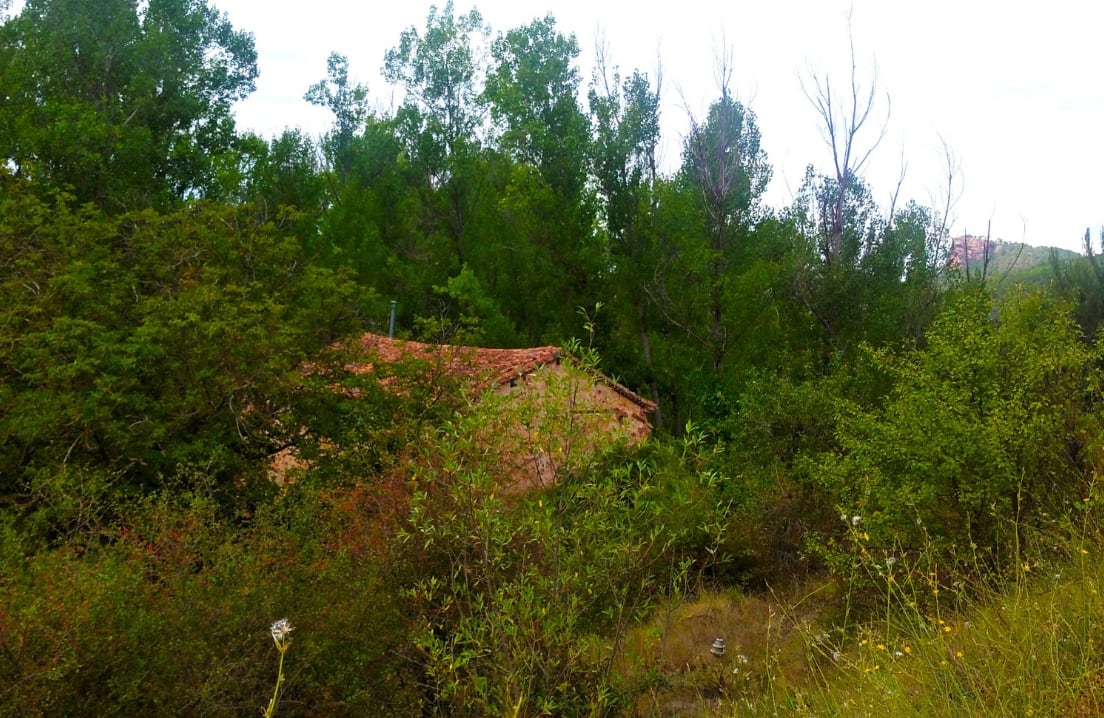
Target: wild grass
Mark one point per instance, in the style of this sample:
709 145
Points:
1022 649
1029 646
670 662
904 638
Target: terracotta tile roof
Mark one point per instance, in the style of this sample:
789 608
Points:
485 368
646 404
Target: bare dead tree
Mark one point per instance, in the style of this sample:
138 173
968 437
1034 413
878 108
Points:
986 254
844 121
602 69
897 187
937 253
711 154
952 192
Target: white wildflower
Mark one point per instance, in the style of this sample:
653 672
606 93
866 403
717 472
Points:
281 632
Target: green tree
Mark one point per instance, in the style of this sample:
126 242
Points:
873 278
284 174
348 103
125 104
624 119
532 90
723 161
719 260
440 71
133 345
625 123
380 222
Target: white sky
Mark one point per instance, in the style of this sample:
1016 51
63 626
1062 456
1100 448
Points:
1015 88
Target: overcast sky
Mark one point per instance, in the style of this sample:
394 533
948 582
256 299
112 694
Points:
1015 89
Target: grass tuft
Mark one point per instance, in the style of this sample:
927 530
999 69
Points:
1029 647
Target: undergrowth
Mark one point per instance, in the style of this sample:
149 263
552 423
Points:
1027 648
939 645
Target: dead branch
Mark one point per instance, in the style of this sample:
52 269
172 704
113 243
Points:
843 123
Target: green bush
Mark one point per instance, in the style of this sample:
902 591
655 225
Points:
137 344
170 616
525 595
984 443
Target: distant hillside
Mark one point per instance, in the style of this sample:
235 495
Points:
1011 261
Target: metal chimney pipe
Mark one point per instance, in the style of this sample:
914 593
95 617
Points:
391 321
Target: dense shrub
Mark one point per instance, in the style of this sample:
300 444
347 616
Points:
523 598
135 344
170 617
987 438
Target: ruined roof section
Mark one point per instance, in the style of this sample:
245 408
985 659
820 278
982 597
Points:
485 368
646 404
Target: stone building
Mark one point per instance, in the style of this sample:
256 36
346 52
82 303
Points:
554 406
552 412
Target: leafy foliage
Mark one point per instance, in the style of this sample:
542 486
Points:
124 104
986 438
178 303
171 616
137 344
528 597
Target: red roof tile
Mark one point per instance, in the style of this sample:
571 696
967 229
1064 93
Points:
485 368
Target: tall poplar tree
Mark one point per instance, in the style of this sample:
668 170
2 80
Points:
532 91
439 69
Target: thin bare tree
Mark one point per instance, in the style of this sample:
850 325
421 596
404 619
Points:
844 120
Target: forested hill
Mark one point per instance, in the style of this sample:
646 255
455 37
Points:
839 403
998 257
